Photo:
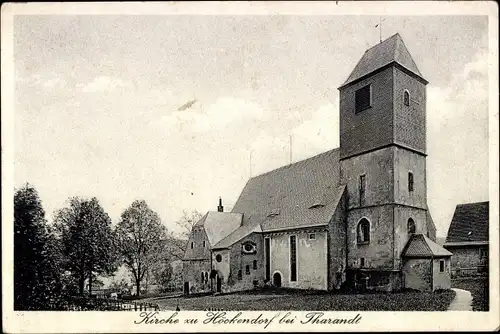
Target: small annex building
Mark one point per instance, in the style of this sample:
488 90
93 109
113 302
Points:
468 239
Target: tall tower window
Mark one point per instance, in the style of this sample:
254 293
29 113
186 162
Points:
293 258
363 231
362 188
406 97
411 226
363 98
410 181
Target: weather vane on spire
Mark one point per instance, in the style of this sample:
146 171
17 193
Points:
379 25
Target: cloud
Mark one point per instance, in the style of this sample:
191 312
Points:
104 84
461 111
320 133
55 83
225 111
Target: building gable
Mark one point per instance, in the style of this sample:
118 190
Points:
470 223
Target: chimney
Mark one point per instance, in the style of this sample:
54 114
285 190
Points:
220 208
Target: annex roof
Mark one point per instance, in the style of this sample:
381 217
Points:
393 49
420 245
470 223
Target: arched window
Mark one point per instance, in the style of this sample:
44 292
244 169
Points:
192 245
202 277
247 269
411 227
406 97
254 264
363 231
206 277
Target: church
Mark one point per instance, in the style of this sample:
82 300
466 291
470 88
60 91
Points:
354 217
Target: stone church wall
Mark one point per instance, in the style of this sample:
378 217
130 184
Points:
409 121
378 253
370 128
401 236
240 260
337 245
378 168
406 161
191 272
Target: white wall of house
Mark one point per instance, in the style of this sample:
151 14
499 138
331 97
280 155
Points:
312 270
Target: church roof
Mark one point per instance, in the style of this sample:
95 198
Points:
299 195
469 223
391 50
421 246
219 225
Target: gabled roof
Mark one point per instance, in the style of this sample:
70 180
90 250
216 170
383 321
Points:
216 226
393 49
219 225
470 223
420 246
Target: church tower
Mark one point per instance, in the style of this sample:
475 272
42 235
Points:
383 159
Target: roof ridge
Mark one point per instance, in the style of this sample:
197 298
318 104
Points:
472 203
385 40
295 163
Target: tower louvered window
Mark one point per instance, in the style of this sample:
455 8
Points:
363 98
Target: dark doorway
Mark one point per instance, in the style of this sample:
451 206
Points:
277 280
219 284
186 288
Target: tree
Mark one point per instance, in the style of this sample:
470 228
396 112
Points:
36 271
138 234
88 241
162 274
187 221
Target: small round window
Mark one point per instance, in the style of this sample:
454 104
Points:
248 247
218 258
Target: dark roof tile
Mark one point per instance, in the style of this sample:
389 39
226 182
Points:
469 223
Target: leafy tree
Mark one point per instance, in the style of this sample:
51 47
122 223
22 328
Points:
36 272
88 241
187 221
138 234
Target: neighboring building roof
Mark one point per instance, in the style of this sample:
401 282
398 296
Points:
302 194
391 50
421 246
470 223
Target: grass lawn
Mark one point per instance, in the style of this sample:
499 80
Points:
479 290
314 301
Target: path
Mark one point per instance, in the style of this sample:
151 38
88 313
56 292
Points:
462 301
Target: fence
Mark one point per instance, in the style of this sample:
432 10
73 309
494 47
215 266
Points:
104 304
470 272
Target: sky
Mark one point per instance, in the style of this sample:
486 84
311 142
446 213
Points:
96 108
